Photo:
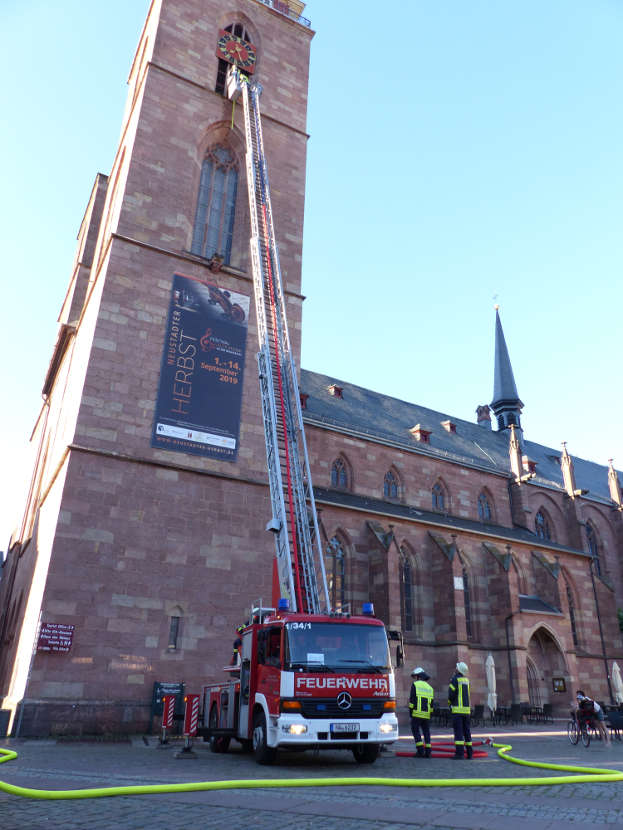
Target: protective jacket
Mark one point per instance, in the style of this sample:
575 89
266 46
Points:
458 694
421 699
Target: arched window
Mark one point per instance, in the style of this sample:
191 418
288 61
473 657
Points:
593 547
542 526
407 595
534 691
238 30
339 474
216 205
335 564
467 601
390 486
484 508
570 602
439 500
410 592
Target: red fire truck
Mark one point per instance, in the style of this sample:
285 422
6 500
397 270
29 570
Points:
306 681
307 675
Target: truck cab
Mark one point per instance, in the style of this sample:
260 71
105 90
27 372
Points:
307 681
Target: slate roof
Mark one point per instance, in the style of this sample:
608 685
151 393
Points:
443 522
504 387
537 605
378 417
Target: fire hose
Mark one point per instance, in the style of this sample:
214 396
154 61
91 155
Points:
585 775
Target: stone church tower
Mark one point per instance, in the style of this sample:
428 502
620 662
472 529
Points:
143 536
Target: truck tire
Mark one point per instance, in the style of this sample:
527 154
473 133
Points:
264 754
217 744
366 753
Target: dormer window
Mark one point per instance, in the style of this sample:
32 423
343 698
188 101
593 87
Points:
449 426
304 396
336 391
421 434
528 464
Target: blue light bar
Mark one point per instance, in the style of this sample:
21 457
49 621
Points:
368 609
284 604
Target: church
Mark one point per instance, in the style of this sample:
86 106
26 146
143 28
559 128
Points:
142 545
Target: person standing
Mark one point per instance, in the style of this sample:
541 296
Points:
459 702
421 705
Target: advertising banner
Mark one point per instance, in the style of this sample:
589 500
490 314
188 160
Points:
200 390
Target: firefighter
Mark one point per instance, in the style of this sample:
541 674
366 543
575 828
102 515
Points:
421 705
235 658
458 700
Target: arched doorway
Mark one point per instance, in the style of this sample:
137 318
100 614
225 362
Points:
545 661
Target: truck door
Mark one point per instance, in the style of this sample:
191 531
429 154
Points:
245 684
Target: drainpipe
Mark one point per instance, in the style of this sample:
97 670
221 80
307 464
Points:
601 631
508 652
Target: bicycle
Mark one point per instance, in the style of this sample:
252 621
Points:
583 729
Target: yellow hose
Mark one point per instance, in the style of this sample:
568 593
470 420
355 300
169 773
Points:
587 775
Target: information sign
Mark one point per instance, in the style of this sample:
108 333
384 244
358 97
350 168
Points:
55 637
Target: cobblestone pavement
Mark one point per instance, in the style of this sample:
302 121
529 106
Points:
56 765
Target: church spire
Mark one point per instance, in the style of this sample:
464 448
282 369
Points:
506 403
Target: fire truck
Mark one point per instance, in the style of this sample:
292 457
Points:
306 675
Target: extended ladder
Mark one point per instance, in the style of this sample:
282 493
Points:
300 564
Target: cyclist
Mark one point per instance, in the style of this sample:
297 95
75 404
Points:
589 708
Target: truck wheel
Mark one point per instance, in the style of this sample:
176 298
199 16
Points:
263 754
366 753
217 744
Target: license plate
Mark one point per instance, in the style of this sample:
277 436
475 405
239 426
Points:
337 728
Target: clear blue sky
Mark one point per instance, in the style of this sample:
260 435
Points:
459 152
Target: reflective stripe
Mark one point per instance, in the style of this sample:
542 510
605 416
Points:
424 700
462 705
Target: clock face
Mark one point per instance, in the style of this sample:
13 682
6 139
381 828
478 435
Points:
236 50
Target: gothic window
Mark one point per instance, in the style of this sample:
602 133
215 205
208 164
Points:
593 547
484 508
534 692
335 564
238 30
410 592
339 474
406 579
216 204
439 500
467 601
570 602
542 526
390 486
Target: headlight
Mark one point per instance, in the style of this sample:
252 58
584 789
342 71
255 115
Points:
387 727
294 728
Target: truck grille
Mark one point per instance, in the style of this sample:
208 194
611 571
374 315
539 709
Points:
328 708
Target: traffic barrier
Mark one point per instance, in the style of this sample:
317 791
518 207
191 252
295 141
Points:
191 719
168 708
587 775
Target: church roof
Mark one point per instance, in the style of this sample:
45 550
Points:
376 417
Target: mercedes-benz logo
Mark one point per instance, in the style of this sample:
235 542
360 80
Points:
344 700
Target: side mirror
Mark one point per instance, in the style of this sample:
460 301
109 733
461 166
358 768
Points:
400 656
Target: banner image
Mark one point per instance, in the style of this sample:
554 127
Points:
200 390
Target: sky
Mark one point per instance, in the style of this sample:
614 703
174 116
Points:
461 155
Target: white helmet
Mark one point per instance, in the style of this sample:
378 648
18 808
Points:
462 667
417 671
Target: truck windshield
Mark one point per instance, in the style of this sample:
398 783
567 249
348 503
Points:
336 645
